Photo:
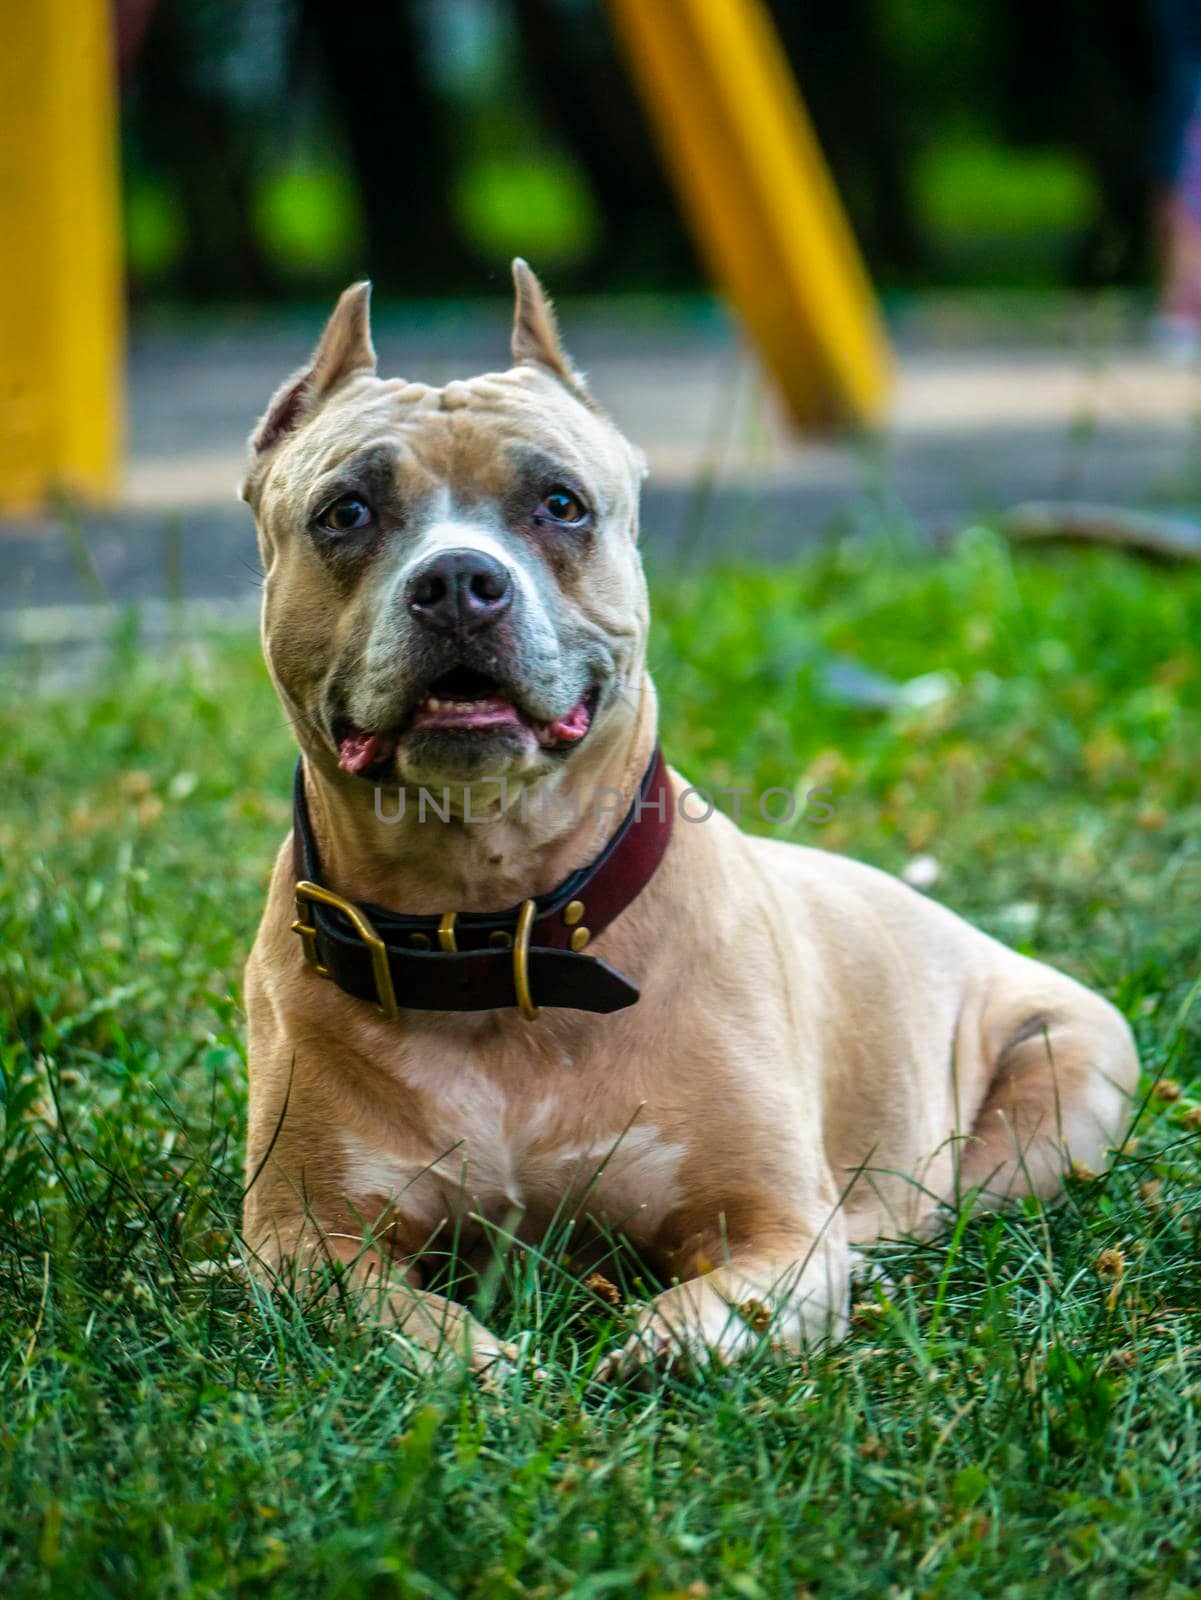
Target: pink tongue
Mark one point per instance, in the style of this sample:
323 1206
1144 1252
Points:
568 729
359 750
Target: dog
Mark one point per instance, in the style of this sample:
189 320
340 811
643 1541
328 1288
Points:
484 1005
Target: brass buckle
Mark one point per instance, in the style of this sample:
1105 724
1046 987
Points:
306 893
521 961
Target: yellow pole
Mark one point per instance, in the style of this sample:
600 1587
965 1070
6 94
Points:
754 185
61 334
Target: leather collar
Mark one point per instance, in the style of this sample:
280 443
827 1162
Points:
528 956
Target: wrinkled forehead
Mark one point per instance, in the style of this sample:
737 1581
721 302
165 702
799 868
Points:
480 438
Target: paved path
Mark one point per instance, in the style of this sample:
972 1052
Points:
987 412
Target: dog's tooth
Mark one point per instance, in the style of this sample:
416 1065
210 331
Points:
433 705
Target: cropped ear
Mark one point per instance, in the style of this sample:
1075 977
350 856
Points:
344 349
535 331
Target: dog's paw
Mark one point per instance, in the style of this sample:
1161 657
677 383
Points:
650 1351
660 1345
489 1360
439 1335
867 1271
492 1363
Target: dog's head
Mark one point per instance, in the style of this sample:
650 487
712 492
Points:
452 586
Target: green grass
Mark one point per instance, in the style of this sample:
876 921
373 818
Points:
1017 1414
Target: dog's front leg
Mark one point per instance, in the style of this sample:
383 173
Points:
389 1293
790 1294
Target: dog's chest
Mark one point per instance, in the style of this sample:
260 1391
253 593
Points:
487 1152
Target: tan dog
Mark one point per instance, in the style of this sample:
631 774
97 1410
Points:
819 1055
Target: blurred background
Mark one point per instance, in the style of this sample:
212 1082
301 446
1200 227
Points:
276 148
1012 176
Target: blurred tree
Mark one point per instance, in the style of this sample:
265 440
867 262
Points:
188 133
276 145
572 68
1079 74
399 135
854 89
886 80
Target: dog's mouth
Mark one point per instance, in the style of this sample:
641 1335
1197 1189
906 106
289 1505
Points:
461 704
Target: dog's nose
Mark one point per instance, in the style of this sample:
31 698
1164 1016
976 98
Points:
460 591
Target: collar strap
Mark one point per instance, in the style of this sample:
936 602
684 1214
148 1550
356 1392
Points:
528 956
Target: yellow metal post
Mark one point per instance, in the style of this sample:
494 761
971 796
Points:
61 335
760 200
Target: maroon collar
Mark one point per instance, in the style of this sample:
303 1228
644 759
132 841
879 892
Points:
528 956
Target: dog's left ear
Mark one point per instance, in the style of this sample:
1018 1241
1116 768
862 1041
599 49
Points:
535 331
344 350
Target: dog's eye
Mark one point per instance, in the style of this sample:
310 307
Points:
346 514
560 505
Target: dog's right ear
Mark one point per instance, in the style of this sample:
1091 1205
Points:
344 349
536 332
